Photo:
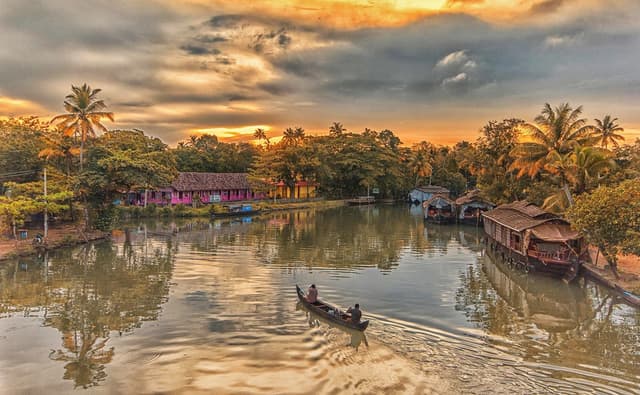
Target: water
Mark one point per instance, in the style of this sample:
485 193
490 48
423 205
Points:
212 308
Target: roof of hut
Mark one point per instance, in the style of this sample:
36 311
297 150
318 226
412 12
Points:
192 181
520 215
472 196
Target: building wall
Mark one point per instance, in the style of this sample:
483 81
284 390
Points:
300 192
188 197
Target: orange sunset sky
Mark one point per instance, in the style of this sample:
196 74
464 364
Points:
433 70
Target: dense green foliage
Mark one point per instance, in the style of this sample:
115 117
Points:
610 219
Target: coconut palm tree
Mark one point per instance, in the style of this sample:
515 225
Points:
84 115
577 169
336 129
605 132
260 134
556 131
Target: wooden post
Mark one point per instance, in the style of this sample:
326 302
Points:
46 214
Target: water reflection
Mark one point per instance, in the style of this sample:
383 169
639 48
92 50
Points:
314 319
217 299
86 294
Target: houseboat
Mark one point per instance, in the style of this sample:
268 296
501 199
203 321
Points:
470 207
439 210
525 235
418 195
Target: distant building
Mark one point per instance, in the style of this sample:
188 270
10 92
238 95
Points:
424 193
190 187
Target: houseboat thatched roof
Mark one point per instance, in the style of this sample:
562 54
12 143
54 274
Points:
435 200
521 215
434 189
555 232
472 196
192 181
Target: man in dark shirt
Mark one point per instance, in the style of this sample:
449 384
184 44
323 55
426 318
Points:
356 314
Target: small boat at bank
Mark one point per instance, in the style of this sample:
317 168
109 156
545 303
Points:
236 210
361 201
331 313
630 298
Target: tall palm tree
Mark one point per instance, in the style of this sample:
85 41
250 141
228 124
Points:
605 131
260 134
84 113
289 136
336 129
577 169
299 134
556 131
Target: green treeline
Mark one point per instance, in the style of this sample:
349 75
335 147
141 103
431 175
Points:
553 161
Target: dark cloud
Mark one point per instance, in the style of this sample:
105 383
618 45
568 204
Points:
199 50
210 39
226 20
546 6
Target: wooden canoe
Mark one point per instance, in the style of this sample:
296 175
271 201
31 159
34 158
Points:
326 311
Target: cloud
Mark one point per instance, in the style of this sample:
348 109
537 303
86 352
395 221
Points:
546 7
454 58
170 70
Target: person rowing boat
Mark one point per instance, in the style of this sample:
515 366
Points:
312 294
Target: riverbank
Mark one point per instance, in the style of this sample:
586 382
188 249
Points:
69 235
628 270
63 236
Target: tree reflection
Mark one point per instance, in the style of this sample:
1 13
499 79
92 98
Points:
88 293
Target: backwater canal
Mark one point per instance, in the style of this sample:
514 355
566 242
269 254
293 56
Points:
212 309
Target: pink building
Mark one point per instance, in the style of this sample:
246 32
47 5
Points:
201 187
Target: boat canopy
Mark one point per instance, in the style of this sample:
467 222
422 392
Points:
554 233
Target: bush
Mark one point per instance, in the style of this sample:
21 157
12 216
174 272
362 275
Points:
180 210
150 210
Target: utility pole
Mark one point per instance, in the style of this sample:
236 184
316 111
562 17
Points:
46 222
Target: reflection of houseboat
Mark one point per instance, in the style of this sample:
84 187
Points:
439 209
523 233
471 206
361 200
550 306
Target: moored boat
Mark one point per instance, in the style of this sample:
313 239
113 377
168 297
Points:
361 200
440 210
331 313
630 298
236 210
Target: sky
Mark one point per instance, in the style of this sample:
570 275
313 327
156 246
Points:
434 70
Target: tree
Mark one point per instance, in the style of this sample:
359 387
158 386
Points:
610 219
260 135
420 164
606 131
21 139
555 132
490 162
15 210
84 115
336 129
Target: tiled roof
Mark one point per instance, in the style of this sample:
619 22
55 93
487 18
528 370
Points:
520 215
191 181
